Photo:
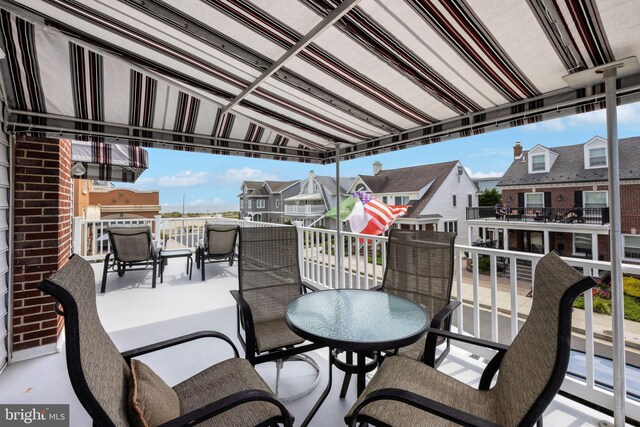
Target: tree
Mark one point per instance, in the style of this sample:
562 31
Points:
489 197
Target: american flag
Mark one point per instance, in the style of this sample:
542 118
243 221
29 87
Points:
378 216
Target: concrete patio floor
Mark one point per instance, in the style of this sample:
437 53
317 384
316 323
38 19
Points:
134 314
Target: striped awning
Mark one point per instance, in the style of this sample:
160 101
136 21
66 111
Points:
287 79
109 162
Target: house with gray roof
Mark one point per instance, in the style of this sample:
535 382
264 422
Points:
438 193
264 200
557 199
317 195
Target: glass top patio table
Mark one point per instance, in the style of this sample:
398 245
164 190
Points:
356 319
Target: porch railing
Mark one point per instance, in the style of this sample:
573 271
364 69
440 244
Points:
599 216
304 209
495 301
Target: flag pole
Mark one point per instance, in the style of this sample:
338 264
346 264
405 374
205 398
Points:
339 243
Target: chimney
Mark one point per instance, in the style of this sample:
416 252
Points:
377 167
517 150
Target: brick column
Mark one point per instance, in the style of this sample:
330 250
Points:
42 239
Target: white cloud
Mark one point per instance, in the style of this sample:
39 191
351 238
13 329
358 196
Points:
183 179
483 174
236 176
627 115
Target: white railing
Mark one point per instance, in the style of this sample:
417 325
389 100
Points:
91 242
304 209
490 299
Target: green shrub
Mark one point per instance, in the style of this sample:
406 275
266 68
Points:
631 286
484 263
601 305
632 308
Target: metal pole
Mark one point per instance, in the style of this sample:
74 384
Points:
615 234
339 243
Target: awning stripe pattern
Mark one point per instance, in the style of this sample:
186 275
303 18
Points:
109 162
385 76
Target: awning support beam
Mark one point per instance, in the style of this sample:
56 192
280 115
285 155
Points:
338 243
615 237
308 38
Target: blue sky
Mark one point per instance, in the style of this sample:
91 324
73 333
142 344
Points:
211 183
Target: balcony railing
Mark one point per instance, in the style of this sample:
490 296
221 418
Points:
304 209
597 216
495 302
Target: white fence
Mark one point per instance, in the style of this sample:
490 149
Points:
494 304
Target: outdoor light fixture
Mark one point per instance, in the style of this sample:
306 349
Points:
78 169
560 198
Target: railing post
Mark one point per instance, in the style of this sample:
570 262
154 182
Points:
298 225
77 236
158 225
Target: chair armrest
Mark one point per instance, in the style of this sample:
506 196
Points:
444 314
246 318
434 333
469 340
423 403
215 408
200 244
310 287
128 355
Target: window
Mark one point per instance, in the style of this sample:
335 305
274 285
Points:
249 204
384 199
361 187
451 226
631 247
595 199
401 200
534 200
260 203
537 163
470 200
581 243
277 203
454 201
597 157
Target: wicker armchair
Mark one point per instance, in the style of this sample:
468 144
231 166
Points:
405 392
269 277
131 249
228 393
218 245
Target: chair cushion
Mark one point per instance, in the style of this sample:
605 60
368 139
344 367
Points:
151 401
273 334
221 380
407 374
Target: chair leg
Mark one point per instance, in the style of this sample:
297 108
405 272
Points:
104 273
202 266
155 273
539 423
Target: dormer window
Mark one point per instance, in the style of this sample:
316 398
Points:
538 163
597 157
595 153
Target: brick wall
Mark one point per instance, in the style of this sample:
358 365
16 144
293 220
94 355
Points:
42 235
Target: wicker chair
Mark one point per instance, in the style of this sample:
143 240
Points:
405 392
228 393
218 245
420 269
269 277
132 249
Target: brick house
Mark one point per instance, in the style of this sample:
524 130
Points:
113 203
557 199
264 200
